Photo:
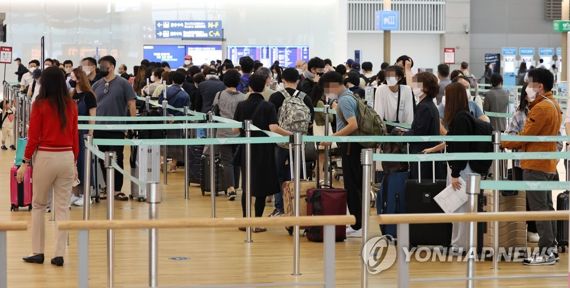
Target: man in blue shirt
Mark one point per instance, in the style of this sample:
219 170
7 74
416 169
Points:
347 111
246 64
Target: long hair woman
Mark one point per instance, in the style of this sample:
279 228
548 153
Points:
53 142
84 96
459 120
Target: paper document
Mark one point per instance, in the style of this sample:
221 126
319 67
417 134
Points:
450 199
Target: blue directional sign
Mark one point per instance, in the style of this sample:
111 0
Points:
509 52
546 52
526 51
387 20
199 29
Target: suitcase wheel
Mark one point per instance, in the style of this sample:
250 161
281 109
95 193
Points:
289 230
141 199
30 207
203 193
562 248
13 207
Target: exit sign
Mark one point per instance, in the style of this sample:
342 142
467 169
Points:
561 25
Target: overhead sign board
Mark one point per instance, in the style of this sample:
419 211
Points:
526 51
449 55
546 52
561 25
5 55
509 52
199 29
387 20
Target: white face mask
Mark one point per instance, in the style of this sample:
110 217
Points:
530 94
87 69
391 81
32 69
418 92
152 78
187 62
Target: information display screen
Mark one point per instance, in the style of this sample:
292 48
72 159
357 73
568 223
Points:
173 54
286 55
203 54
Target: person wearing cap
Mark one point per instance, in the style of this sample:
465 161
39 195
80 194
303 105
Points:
349 64
352 82
187 62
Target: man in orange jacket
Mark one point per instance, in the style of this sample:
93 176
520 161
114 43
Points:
544 119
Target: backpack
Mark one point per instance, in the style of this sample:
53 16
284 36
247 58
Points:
481 128
294 115
369 122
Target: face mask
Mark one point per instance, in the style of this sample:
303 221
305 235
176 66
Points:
418 92
530 94
391 81
72 83
300 70
187 62
32 69
104 71
152 78
87 69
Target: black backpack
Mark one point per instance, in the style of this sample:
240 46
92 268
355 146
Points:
481 128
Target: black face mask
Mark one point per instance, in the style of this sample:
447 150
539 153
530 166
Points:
103 71
72 83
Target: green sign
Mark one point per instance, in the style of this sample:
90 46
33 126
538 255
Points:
561 25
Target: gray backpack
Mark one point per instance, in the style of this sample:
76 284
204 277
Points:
294 115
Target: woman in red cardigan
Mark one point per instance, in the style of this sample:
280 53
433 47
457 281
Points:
53 142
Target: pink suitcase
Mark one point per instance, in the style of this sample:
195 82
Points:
20 193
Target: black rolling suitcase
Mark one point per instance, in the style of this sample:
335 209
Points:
195 164
419 199
562 225
205 172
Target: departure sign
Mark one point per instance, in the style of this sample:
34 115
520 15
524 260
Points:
166 29
286 55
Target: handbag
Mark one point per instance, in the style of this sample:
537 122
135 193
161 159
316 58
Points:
216 108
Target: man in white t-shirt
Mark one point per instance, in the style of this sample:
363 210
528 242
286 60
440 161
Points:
386 99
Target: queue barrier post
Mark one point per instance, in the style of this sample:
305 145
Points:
496 177
212 167
297 141
367 162
109 158
473 188
326 165
154 198
186 160
247 182
329 254
165 147
87 176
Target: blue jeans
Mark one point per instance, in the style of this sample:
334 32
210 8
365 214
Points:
283 173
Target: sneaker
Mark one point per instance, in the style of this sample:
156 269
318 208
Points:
275 213
73 199
351 233
232 195
48 209
539 260
79 202
532 237
13 147
4 147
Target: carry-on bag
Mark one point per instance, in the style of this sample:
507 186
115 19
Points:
20 193
219 175
420 199
325 201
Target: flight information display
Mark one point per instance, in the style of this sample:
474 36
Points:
173 54
203 54
286 55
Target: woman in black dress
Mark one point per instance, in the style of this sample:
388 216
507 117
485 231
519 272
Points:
264 180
